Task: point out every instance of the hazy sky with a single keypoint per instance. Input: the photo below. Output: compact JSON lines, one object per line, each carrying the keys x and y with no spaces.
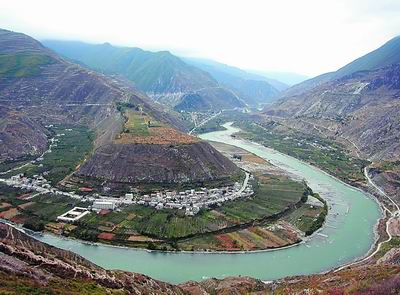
{"x":309,"y":37}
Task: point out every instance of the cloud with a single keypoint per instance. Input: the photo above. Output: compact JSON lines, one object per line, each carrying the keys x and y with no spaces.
{"x":309,"y":36}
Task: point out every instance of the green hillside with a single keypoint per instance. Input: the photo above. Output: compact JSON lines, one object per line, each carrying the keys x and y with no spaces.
{"x":385,"y":55}
{"x":22,"y":64}
{"x":157,"y":72}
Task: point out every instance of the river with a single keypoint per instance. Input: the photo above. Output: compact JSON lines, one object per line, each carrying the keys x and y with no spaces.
{"x":347,"y":234}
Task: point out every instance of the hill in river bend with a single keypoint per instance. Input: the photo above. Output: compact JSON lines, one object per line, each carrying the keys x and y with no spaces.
{"x":37,"y":88}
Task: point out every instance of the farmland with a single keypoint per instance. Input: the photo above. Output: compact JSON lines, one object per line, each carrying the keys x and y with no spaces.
{"x":262,"y":221}
{"x":324,"y":153}
{"x":73,"y":143}
{"x":170,"y":229}
{"x":139,"y":128}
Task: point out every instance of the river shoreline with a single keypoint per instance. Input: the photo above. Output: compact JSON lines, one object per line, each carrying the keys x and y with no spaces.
{"x":353,"y":185}
{"x":265,"y":264}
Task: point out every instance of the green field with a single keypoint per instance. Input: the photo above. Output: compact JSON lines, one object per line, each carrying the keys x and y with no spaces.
{"x":22,"y":64}
{"x":324,"y":153}
{"x":42,"y":208}
{"x":71,"y":150}
{"x":272,"y":196}
{"x":136,"y":124}
{"x":308,"y":218}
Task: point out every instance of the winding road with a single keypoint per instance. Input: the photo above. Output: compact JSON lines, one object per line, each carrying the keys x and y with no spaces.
{"x":393,"y":215}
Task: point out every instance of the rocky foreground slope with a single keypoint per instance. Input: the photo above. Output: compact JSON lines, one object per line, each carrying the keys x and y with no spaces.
{"x":28,"y":266}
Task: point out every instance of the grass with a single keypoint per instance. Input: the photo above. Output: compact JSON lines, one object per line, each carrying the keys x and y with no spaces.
{"x":136,"y":124}
{"x":393,"y":243}
{"x":71,"y":149}
{"x":22,"y":64}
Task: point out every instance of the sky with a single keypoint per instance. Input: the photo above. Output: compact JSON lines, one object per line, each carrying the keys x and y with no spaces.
{"x":308,"y":37}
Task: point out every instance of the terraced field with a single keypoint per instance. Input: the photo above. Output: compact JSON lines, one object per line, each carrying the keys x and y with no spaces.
{"x":140,"y":128}
{"x":146,"y":227}
{"x":73,"y":144}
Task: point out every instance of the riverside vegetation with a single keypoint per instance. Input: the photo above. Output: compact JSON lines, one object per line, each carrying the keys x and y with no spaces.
{"x":239,"y":225}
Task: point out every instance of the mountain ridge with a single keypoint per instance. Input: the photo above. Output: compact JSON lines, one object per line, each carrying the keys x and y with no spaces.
{"x":357,"y":103}
{"x":69,"y":93}
{"x":162,"y":75}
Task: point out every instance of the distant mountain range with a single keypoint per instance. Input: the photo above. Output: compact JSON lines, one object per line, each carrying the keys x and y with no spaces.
{"x":181,"y":84}
{"x":288,"y":78}
{"x":359,"y":102}
{"x":254,"y":89}
{"x":38,"y":88}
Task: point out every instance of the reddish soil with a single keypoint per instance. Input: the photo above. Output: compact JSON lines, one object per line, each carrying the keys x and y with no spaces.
{"x":226,"y":242}
{"x":159,"y":135}
{"x":106,"y":236}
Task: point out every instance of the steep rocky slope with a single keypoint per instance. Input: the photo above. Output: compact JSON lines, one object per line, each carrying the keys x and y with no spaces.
{"x":209,"y":99}
{"x":163,"y":76}
{"x":60,"y":91}
{"x":383,"y":56}
{"x":19,"y":135}
{"x":358,"y":103}
{"x":158,"y":163}
{"x":363,"y":107}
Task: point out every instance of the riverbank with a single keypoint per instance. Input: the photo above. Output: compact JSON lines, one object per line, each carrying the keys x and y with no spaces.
{"x":352,"y":217}
{"x":250,"y":219}
{"x":375,"y":193}
{"x":28,"y":260}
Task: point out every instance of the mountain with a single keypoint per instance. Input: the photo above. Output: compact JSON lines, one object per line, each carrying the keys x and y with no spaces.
{"x":38,"y":88}
{"x":162,"y":75}
{"x":288,"y":78}
{"x":307,"y":85}
{"x":254,"y":89}
{"x":386,"y":55}
{"x":359,"y":103}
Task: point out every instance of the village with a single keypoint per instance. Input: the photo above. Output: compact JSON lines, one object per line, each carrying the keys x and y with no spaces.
{"x":190,"y":200}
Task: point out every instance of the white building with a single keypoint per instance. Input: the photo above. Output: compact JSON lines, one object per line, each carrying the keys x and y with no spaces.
{"x":73,"y":215}
{"x":129,"y":197}
{"x":100,"y":204}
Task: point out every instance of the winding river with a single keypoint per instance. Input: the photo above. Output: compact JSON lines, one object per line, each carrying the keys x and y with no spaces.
{"x":347,"y":234}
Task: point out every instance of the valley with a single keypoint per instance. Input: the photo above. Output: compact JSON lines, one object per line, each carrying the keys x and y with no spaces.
{"x":204,"y":176}
{"x":37,"y":205}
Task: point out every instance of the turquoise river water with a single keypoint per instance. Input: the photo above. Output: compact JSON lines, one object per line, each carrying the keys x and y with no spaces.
{"x":347,"y":234}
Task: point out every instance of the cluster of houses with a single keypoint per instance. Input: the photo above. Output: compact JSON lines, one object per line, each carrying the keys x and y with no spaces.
{"x":37,"y":183}
{"x":194,"y":200}
{"x":190,"y":200}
